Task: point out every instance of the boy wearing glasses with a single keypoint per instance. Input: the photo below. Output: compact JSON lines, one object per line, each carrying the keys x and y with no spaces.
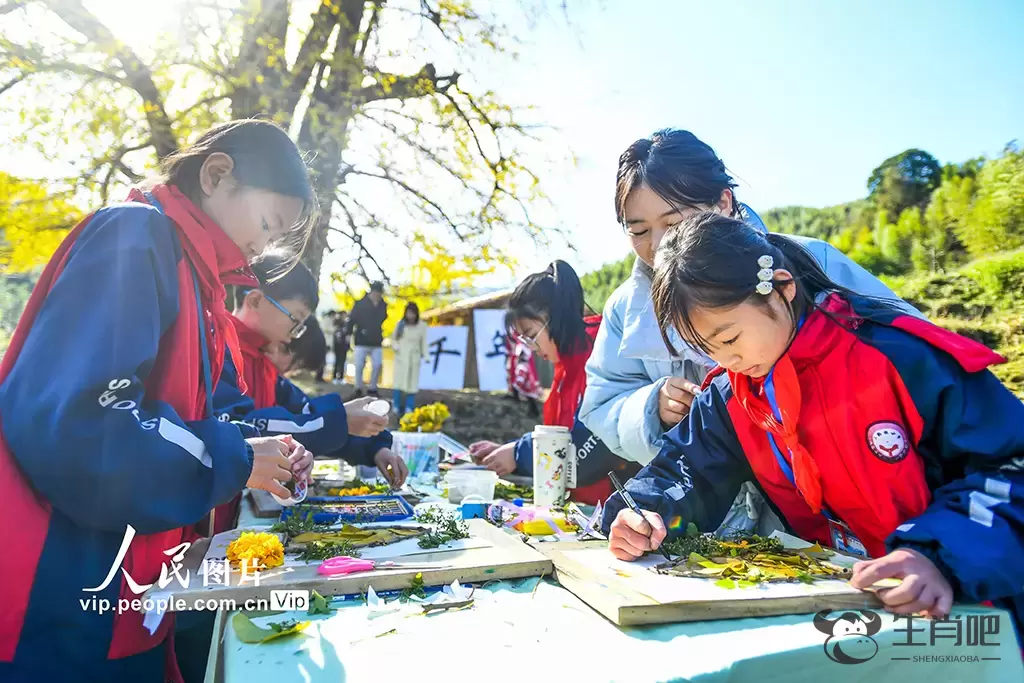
{"x":263,"y":403}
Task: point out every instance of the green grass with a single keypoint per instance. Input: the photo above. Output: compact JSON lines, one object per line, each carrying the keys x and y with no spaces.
{"x":984,"y":300}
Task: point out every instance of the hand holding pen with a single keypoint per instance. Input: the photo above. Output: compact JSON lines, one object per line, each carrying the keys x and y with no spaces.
{"x":634,"y":531}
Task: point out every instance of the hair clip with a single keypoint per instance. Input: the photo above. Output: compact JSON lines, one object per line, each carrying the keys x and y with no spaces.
{"x":765,"y":275}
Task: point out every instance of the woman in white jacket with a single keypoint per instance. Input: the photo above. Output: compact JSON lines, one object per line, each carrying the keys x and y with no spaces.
{"x":636,"y":390}
{"x":410,"y":346}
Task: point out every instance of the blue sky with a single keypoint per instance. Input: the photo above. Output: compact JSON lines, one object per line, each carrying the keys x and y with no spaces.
{"x":801,"y":99}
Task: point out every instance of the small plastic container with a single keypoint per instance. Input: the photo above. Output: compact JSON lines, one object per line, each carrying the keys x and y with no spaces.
{"x":464,"y":482}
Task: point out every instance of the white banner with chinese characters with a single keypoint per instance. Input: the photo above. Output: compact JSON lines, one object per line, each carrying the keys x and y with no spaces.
{"x":491,"y":354}
{"x":445,"y":364}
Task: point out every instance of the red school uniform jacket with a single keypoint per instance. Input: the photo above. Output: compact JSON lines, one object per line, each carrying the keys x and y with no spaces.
{"x":890,"y":424}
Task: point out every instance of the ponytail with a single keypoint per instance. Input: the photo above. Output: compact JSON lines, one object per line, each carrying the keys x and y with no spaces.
{"x":554,"y":296}
{"x":711,"y":261}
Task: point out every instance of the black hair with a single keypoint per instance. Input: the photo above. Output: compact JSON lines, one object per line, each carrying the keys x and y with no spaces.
{"x":553,"y":296}
{"x":711,"y":261}
{"x":411,"y":307}
{"x":281,"y":279}
{"x":675,"y":165}
{"x":309,"y":352}
{"x":264,"y":157}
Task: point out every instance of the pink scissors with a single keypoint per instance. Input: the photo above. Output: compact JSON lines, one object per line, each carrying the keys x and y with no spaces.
{"x":353,"y":565}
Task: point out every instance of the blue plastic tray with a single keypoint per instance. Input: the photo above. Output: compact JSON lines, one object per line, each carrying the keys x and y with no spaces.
{"x":401,"y":509}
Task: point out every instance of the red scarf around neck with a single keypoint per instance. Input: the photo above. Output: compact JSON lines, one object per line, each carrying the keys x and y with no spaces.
{"x":260,"y":375}
{"x":217,"y":261}
{"x":570,"y":381}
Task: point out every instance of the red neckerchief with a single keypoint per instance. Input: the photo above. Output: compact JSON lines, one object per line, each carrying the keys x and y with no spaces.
{"x":215,"y":259}
{"x":260,"y":374}
{"x":570,"y":381}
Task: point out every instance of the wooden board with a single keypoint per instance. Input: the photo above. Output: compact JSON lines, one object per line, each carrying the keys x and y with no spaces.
{"x":263,"y":504}
{"x":630,"y":594}
{"x":507,"y":557}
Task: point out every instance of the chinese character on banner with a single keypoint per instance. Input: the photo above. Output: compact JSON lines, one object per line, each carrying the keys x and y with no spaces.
{"x":250,"y":571}
{"x":216,"y":572}
{"x":138,"y":589}
{"x":947,"y":627}
{"x":177,"y":554}
{"x":440,"y":350}
{"x":981,"y":625}
{"x":499,"y":346}
{"x":910,"y":630}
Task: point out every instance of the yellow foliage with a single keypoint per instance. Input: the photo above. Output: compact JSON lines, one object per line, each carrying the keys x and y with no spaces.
{"x":32,"y":223}
{"x":432,"y":280}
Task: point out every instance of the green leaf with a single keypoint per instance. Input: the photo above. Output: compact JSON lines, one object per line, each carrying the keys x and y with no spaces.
{"x":745,"y":584}
{"x":249,"y":632}
{"x":319,"y":605}
{"x":692,"y":531}
{"x":726,"y":583}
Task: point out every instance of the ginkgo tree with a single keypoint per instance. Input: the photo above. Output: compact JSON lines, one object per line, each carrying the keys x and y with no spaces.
{"x":33,"y":221}
{"x":379,"y":93}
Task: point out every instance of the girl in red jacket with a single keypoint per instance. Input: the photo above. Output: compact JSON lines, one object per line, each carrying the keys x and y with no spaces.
{"x":868,"y":430}
{"x":546,"y":312}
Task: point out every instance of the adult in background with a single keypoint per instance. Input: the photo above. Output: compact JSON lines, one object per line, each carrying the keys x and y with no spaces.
{"x":636,"y":389}
{"x":340,"y":342}
{"x":410,"y":345}
{"x":547,"y":313}
{"x":366,"y":324}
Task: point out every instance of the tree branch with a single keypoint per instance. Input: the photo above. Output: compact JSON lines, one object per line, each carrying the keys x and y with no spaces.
{"x":384,"y":175}
{"x":389,"y":86}
{"x":138,"y":75}
{"x":310,"y":52}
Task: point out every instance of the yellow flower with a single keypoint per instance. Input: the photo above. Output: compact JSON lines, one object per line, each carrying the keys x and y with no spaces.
{"x":262,"y":550}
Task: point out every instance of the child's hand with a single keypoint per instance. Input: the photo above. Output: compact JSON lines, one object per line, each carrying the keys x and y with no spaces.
{"x":398,"y":473}
{"x":674,"y":399}
{"x":501,"y":460}
{"x":363,"y":423}
{"x":270,"y":465}
{"x":301,"y":460}
{"x":481,"y":449}
{"x":924,"y":588}
{"x":631,"y":535}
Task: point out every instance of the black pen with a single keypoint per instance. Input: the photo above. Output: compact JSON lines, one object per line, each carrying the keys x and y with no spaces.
{"x":631,"y":504}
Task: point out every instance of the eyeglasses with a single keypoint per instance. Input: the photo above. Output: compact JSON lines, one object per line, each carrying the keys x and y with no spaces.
{"x":298,"y":326}
{"x":530,"y":341}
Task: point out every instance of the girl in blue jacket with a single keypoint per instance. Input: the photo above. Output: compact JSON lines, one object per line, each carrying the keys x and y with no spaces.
{"x":636,"y":389}
{"x":110,"y":452}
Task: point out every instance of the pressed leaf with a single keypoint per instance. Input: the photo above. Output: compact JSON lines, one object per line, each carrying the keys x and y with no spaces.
{"x":249,"y":632}
{"x":726,"y":583}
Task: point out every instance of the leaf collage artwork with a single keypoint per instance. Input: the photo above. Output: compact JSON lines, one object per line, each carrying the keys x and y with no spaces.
{"x":746,"y":560}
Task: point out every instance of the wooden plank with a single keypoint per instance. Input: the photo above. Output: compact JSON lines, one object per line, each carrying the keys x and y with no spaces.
{"x":506,"y":558}
{"x":263,"y":504}
{"x":628,"y":601}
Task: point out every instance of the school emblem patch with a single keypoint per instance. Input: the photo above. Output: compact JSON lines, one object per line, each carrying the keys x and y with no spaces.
{"x":888,"y":441}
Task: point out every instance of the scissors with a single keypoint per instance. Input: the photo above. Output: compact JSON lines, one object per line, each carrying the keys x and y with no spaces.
{"x":352,"y":565}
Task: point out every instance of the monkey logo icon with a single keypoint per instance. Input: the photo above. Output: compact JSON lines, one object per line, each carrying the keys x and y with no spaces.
{"x":850,"y":634}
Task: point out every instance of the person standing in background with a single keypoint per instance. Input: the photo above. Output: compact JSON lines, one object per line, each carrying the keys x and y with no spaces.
{"x":326,"y":325}
{"x":410,"y":345}
{"x":366,"y":324}
{"x":340,"y":342}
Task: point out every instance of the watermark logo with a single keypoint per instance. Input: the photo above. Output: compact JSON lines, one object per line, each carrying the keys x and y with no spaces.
{"x":289,"y":600}
{"x":850,"y":635}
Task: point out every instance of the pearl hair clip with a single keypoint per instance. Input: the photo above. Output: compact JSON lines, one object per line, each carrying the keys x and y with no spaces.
{"x":765,"y":275}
